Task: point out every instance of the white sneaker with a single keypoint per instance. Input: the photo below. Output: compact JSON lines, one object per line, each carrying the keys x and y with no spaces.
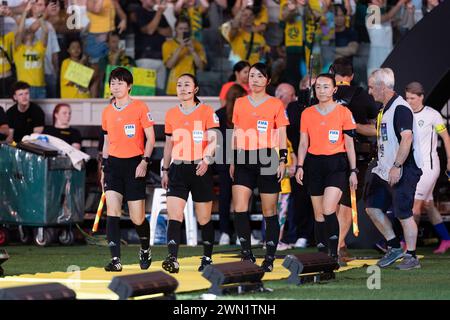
{"x":283,"y":246}
{"x":301,"y":243}
{"x":224,"y":239}
{"x":254,"y":241}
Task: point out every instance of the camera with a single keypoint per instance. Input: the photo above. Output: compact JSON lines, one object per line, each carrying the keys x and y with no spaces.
{"x":186,"y":35}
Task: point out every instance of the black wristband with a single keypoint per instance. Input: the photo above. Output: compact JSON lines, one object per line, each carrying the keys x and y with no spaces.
{"x":164,"y":169}
{"x":355,"y":170}
{"x":283,"y":153}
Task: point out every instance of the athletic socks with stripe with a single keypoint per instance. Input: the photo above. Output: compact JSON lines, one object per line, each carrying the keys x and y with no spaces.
{"x":272,"y":234}
{"x":208,"y":238}
{"x":143,"y":232}
{"x":173,"y":237}
{"x":243,"y":231}
{"x":332,"y":228}
{"x":113,"y":235}
{"x":320,"y":236}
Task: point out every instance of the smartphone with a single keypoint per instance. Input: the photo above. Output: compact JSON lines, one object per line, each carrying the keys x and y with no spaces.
{"x":186,"y":35}
{"x":122,"y":44}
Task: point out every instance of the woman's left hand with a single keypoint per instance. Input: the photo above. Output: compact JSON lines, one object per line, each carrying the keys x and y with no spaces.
{"x":280,"y":171}
{"x":353,"y":181}
{"x":141,"y":169}
{"x":122,"y":26}
{"x":201,"y":169}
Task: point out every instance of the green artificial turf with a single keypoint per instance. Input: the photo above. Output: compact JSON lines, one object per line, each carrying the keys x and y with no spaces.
{"x":430,"y":282}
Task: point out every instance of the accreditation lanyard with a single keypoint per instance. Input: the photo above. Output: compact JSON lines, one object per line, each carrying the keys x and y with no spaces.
{"x":379,"y":118}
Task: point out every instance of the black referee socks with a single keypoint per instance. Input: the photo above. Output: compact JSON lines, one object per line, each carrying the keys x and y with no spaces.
{"x":208,"y":238}
{"x":113,"y":235}
{"x":243,"y":231}
{"x":143,"y":232}
{"x":173,"y":237}
{"x":332,"y":227}
{"x":272,"y":234}
{"x":320,"y":235}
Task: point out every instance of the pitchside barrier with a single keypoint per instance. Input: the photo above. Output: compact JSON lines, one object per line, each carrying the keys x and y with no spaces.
{"x":88,"y":112}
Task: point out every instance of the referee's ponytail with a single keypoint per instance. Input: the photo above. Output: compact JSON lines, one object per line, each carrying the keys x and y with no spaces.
{"x":194,"y":79}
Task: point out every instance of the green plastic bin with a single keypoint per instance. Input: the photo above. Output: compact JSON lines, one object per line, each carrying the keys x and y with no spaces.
{"x":39,"y":191}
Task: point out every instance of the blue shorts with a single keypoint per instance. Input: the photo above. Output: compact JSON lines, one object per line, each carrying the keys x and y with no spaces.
{"x":380,"y":195}
{"x":94,"y":47}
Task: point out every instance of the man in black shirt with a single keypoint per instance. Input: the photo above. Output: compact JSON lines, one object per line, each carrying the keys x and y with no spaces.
{"x":4,"y":128}
{"x":364,"y":110}
{"x":301,"y":223}
{"x":24,"y":117}
{"x":152,"y":31}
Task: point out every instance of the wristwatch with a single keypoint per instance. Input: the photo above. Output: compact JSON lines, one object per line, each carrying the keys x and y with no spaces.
{"x":146,"y":159}
{"x":355,"y":170}
{"x":397,"y":165}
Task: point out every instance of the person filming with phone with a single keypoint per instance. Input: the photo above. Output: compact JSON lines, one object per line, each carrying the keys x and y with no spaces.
{"x":182,"y":54}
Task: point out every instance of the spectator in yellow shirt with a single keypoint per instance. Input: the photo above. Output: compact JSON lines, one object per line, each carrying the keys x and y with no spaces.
{"x":246,"y":44}
{"x":6,"y":46}
{"x":29,"y":55}
{"x":70,"y":90}
{"x":182,"y":54}
{"x":102,"y":16}
{"x":195,"y":11}
{"x":260,"y":12}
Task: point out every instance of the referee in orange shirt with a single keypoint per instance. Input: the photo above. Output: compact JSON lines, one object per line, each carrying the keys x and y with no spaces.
{"x":326,"y":149}
{"x":190,"y":144}
{"x":259,"y":127}
{"x":125,"y":123}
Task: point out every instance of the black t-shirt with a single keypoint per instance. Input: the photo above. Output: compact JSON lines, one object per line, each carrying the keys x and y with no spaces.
{"x":361,"y":104}
{"x":294,"y":111}
{"x":403,"y":120}
{"x":343,"y":38}
{"x":23,"y":123}
{"x":149,"y":46}
{"x":69,"y":135}
{"x":3,"y":120}
{"x":222,"y":115}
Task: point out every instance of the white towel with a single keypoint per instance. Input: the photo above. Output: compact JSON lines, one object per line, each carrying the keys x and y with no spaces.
{"x":75,"y":155}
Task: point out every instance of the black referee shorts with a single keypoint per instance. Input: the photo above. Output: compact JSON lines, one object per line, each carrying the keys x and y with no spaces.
{"x":257,"y":169}
{"x":182,"y":180}
{"x":121,"y":178}
{"x":324,"y":171}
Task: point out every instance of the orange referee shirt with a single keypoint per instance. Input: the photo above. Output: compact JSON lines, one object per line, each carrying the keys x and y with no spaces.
{"x":325,"y":132}
{"x":188,"y":131}
{"x":125,"y":128}
{"x":255,"y":123}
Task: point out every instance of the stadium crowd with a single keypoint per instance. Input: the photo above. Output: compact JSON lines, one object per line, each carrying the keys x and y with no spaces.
{"x":39,"y":39}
